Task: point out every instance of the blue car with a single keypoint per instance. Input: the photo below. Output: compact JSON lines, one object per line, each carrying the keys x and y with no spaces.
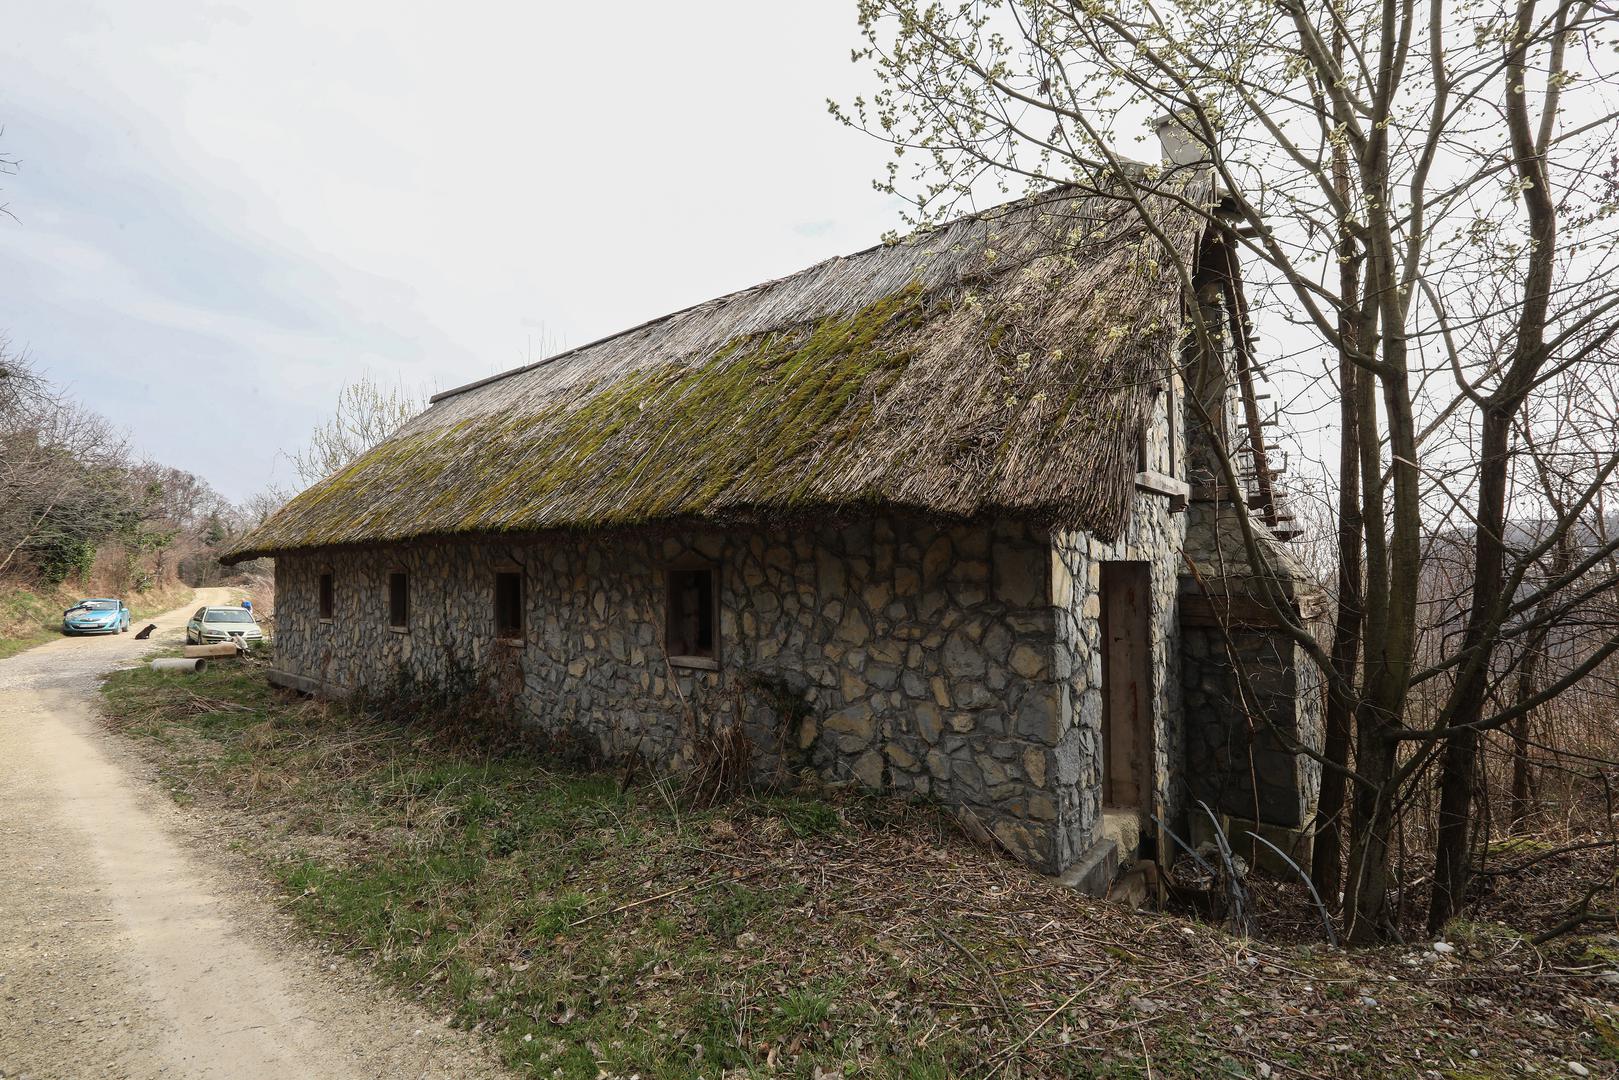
{"x":103,"y":616}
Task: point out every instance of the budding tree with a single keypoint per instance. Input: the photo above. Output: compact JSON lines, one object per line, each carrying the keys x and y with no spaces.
{"x":1419,"y":195}
{"x":366,"y":414}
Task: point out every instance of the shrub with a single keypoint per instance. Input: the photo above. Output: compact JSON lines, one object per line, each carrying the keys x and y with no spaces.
{"x":62,"y":557}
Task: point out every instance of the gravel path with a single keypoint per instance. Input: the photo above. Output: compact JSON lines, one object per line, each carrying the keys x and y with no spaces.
{"x":126,"y":950}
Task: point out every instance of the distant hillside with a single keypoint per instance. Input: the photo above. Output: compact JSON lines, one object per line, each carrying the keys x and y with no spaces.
{"x":81,"y":516}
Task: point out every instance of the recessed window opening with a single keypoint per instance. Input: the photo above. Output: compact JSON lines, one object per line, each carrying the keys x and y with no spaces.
{"x":690,"y":629}
{"x":399,"y":600}
{"x":509,"y":606}
{"x":327,"y":595}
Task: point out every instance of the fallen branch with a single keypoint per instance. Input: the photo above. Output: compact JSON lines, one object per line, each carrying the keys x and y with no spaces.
{"x":1050,"y":1016}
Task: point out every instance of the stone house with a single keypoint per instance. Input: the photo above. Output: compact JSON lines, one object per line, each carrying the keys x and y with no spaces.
{"x":938,"y":518}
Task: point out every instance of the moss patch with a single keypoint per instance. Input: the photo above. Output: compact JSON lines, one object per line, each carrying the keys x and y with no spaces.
{"x":755,"y":423}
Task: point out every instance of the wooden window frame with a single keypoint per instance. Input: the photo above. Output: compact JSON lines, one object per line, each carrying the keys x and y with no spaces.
{"x":685,"y":659}
{"x":1173,"y":407}
{"x":399,"y":625}
{"x":1151,"y":480}
{"x":326,"y":595}
{"x":503,"y":633}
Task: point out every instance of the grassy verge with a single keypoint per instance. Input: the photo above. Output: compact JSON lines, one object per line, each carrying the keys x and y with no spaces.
{"x":30,"y":616}
{"x":596,"y":932}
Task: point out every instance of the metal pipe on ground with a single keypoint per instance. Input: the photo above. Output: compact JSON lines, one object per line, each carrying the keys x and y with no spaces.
{"x":192,"y":665}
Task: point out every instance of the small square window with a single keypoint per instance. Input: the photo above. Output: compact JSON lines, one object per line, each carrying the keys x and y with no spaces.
{"x":509,"y":606}
{"x":689,"y":632}
{"x":399,"y":600}
{"x":327,"y":596}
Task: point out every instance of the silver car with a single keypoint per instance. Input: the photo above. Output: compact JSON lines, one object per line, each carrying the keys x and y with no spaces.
{"x":213,"y":625}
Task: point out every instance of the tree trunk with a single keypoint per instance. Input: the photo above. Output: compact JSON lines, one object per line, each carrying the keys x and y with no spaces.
{"x":1529,"y":669}
{"x":1326,"y":865}
{"x":1522,"y":795}
{"x":1367,"y":919}
{"x":1392,"y":551}
{"x":1528,"y":355}
{"x":1460,"y":763}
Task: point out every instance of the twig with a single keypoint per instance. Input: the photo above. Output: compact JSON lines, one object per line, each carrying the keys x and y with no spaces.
{"x":1012,"y":1050}
{"x":1239,"y":896}
{"x":1326,"y":919}
{"x":663,"y":895}
{"x":634,"y":904}
{"x":979,"y":964}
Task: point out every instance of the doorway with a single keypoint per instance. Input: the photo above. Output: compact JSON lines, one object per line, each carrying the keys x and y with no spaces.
{"x":1128,"y":750}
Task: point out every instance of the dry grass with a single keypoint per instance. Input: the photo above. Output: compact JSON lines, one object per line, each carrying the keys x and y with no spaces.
{"x":601,"y":932}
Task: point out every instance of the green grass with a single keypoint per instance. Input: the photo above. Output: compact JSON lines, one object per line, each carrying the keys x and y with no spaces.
{"x":30,"y":617}
{"x":595,"y":931}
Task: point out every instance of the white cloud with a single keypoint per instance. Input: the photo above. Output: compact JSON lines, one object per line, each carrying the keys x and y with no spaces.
{"x":290,"y":193}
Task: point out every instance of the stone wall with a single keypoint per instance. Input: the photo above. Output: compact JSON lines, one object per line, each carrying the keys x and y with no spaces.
{"x":925,"y":654}
{"x":1244,"y":734}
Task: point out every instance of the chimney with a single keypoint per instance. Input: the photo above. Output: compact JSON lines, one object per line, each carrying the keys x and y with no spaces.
{"x":1176,"y":137}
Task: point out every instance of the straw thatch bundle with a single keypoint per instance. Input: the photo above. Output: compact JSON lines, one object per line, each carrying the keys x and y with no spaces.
{"x":1001,"y":364}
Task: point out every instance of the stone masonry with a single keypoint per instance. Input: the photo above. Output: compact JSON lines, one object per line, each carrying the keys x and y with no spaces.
{"x":923,"y":654}
{"x":946,"y":661}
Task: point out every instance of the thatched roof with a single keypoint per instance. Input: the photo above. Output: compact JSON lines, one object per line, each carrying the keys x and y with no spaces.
{"x":1001,"y":364}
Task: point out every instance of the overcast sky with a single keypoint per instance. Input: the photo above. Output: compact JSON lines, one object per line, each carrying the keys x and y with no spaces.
{"x":224,"y":211}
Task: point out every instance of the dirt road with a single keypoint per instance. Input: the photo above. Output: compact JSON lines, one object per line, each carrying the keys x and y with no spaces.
{"x":127,"y":952}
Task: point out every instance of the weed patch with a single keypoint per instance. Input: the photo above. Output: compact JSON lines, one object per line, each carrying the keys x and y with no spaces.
{"x":595,"y":930}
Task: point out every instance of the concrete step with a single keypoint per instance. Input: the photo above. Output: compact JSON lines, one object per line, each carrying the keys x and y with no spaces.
{"x":1123,"y":827}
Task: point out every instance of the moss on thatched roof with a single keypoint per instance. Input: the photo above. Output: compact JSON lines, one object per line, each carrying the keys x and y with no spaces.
{"x":1001,"y":364}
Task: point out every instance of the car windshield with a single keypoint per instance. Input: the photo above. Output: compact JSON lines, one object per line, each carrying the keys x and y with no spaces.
{"x":99,"y":605}
{"x":227,"y":615}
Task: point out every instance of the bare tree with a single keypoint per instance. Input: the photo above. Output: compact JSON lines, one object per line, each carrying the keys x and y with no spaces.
{"x":1416,"y":188}
{"x":366,"y":414}
{"x":62,"y":479}
{"x":8,"y":167}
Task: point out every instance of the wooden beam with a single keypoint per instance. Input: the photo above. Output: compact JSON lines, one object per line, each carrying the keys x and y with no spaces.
{"x":1178,"y":491}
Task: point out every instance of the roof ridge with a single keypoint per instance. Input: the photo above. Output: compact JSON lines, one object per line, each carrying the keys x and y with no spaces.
{"x":1024,"y":399}
{"x":1054,"y":192}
